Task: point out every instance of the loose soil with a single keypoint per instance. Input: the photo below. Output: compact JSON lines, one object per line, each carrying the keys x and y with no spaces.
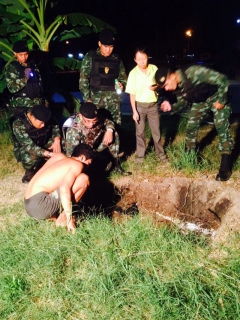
{"x":209,"y":204}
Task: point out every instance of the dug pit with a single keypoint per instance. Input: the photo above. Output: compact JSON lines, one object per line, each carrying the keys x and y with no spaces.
{"x":199,"y":205}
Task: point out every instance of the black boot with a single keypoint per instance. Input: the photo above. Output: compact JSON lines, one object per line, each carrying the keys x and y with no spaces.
{"x":225,"y":168}
{"x":28,"y":176}
{"x":118,"y":168}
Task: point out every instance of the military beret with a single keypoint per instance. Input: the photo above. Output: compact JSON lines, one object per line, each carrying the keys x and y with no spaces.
{"x":88,"y":110}
{"x":41,"y":112}
{"x":20,"y":46}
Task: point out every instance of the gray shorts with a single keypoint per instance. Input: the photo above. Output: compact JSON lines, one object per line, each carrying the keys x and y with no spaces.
{"x":43,"y":205}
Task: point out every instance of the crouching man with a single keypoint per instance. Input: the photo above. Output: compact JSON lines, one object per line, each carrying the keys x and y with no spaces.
{"x":91,"y":128}
{"x":35,"y":139}
{"x":57,"y":185}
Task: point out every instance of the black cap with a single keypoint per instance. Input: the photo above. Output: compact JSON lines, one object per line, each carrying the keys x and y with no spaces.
{"x":88,"y":110}
{"x":41,"y":112}
{"x":106,"y":37}
{"x":20,"y":46}
{"x":161,"y":75}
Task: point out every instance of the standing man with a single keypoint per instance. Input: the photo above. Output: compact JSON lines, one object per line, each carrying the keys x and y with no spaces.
{"x":23,"y":80}
{"x":35,"y":139}
{"x":57,"y":185}
{"x":98,"y":73}
{"x":90,"y":128}
{"x":204,"y":90}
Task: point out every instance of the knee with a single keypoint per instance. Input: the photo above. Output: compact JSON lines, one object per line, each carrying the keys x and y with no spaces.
{"x":85,"y":180}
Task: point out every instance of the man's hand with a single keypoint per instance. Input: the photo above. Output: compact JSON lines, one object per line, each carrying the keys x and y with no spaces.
{"x":218,"y":105}
{"x":108,"y":137}
{"x":71,"y":225}
{"x":56,"y":146}
{"x":166,"y":106}
{"x":27,"y":72}
{"x":135,"y":116}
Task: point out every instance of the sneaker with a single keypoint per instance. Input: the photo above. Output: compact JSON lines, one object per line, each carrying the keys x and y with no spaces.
{"x":28,"y":176}
{"x":139,"y":160}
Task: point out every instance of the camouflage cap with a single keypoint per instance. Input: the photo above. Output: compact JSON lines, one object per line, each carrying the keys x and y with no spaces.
{"x":106,"y":37}
{"x":88,"y":110}
{"x":161,"y":75}
{"x":41,"y":112}
{"x":20,"y":46}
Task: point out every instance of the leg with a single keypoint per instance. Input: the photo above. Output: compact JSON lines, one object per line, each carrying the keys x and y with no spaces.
{"x":195,"y":117}
{"x":78,"y":189}
{"x":140,"y":131}
{"x":154,"y":123}
{"x":221,"y":121}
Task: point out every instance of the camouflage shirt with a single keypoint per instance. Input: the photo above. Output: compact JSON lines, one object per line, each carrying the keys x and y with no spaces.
{"x":77,"y":133}
{"x":26,"y":143}
{"x":15,"y":82}
{"x":84,"y":87}
{"x":198,"y":75}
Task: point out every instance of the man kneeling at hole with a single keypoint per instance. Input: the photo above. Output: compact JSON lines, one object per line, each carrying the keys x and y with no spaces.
{"x":58,"y":184}
{"x":98,"y":132}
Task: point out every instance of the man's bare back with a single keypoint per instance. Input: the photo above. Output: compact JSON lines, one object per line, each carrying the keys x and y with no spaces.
{"x":64,"y":175}
{"x":56,"y":172}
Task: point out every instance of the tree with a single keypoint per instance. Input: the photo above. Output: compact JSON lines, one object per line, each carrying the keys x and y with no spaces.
{"x":31,"y":20}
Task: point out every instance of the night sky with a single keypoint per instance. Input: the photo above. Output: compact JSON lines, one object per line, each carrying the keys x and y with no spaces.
{"x":160,"y":26}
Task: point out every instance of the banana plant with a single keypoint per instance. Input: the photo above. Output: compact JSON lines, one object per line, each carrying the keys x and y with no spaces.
{"x":26,"y":19}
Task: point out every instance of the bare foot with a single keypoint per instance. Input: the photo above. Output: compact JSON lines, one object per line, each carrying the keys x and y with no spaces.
{"x":61,"y":220}
{"x":52,"y":218}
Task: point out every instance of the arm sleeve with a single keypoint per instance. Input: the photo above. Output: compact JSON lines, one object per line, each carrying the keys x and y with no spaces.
{"x":71,"y":141}
{"x":85,"y":77}
{"x":122,"y":74}
{"x":13,"y":81}
{"x":20,"y":132}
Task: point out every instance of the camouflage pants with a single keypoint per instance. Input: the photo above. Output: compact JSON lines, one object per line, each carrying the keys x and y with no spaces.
{"x":113,"y":147}
{"x":109,"y":107}
{"x":221,"y":120}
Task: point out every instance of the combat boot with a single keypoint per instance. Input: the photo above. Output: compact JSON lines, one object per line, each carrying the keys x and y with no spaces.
{"x":118,"y":168}
{"x":225,"y":168}
{"x":28,"y":176}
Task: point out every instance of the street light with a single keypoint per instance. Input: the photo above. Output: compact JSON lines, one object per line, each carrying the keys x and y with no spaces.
{"x":188,"y":34}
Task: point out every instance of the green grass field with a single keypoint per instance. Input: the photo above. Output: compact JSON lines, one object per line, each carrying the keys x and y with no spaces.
{"x":112,"y":271}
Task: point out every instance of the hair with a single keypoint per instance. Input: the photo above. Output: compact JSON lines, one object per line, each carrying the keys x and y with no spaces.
{"x":140,"y":50}
{"x":83,"y":149}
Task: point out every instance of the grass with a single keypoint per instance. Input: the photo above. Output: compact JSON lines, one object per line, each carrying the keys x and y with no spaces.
{"x":131,"y":270}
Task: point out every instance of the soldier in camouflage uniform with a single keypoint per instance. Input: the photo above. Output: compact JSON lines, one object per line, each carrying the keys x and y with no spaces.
{"x":35,"y":139}
{"x":204,"y":90}
{"x":23,"y":80}
{"x":98,"y":72}
{"x":94,"y":130}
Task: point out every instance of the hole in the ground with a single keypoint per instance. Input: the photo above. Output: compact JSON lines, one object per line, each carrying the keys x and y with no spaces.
{"x":199,"y":205}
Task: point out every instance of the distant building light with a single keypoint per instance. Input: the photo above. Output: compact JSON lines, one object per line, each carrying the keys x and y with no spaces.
{"x":67,"y":42}
{"x":70,"y":55}
{"x":238,"y":20}
{"x":80,"y":55}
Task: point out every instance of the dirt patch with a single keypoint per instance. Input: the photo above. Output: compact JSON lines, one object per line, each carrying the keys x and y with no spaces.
{"x":208,"y":204}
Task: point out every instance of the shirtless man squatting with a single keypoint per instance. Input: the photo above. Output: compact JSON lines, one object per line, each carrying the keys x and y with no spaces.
{"x":58,"y":184}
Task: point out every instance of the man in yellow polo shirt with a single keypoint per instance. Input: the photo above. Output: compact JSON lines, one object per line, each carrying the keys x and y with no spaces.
{"x":144,"y":104}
